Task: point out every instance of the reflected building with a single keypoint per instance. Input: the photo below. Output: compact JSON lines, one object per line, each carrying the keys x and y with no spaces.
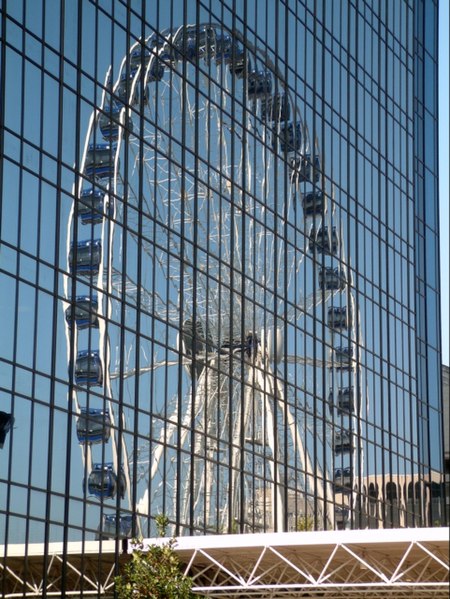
{"x":220,"y":290}
{"x":446,"y":401}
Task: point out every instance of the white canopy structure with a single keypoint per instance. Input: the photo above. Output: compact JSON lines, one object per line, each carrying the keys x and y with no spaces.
{"x":410,"y":562}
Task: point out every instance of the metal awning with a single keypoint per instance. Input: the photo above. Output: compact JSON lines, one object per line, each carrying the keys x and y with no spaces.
{"x":409,"y":562}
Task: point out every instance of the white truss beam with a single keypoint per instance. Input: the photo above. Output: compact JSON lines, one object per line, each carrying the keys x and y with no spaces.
{"x":358,"y":563}
{"x":351,"y":564}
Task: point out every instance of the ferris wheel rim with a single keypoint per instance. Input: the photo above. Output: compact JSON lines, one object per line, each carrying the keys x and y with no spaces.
{"x":127,"y":113}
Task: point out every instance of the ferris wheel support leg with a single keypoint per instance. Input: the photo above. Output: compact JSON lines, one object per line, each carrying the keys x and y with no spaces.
{"x":295,"y":433}
{"x":211,"y":480}
{"x":166,"y":435}
{"x":243,"y":423}
{"x":196,"y":477}
{"x":278,"y":507}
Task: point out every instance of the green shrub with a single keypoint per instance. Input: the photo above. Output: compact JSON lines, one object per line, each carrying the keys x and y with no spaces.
{"x":154,"y":573}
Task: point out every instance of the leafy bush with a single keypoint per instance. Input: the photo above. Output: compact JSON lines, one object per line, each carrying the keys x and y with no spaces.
{"x":154,"y":573}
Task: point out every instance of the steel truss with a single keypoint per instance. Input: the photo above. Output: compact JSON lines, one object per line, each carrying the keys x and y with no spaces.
{"x":356,"y":563}
{"x":410,"y":562}
{"x":78,"y":569}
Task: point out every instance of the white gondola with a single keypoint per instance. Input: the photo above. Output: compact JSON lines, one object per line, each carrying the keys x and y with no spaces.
{"x":259,"y":84}
{"x":85,"y":257}
{"x":344,"y":442}
{"x":324,"y":241}
{"x":276,"y":108}
{"x":343,"y":480}
{"x":304,"y":168}
{"x":332,"y":279}
{"x":345,"y":401}
{"x":84,"y":312}
{"x":339,"y":318}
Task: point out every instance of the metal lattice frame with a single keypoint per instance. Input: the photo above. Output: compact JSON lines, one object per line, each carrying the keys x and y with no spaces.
{"x":346,"y":564}
{"x":31,"y":571}
{"x":367,"y":563}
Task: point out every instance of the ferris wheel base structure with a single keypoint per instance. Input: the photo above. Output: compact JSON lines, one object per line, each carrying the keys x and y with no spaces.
{"x":345,"y":564}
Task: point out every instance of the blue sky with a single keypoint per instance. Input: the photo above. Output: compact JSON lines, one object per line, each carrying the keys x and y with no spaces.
{"x":444,"y":161}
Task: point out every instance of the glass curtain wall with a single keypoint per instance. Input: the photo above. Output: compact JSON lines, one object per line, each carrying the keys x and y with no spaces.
{"x":219,"y":267}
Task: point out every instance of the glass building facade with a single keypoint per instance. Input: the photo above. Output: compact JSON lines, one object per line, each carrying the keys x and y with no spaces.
{"x":219,"y":290}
